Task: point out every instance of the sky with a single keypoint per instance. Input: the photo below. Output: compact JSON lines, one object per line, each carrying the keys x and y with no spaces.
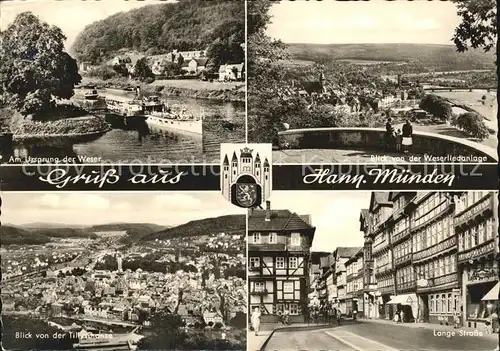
{"x":167,"y":208}
{"x":376,"y":21}
{"x":70,"y":15}
{"x":335,"y":214}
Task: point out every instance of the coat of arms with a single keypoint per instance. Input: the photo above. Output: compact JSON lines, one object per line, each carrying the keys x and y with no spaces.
{"x":246,"y":175}
{"x":246,"y":194}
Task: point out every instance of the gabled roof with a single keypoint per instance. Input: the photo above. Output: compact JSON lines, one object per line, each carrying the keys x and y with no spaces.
{"x":379,"y":198}
{"x":363,"y":218}
{"x":316,"y":256}
{"x":347,"y":252}
{"x":324,"y":262}
{"x":363,"y":214}
{"x":306,"y":218}
{"x":355,"y":256}
{"x":238,"y":66}
{"x":281,"y":220}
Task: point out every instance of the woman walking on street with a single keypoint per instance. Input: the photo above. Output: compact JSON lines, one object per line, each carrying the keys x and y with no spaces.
{"x":256,"y":320}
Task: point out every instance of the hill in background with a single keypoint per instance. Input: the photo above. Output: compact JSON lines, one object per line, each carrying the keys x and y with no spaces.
{"x":154,"y":29}
{"x":432,"y":57}
{"x":222,"y":224}
{"x":31,"y":234}
{"x":136,"y":232}
{"x":11,"y":235}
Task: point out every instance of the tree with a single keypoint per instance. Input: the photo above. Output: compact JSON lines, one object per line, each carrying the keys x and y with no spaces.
{"x":265,"y":75}
{"x":34,"y":66}
{"x":121,"y":69}
{"x":437,"y":106}
{"x":478,"y":28}
{"x":165,"y":332}
{"x":473,"y":125}
{"x":142,"y":69}
{"x":239,"y":321}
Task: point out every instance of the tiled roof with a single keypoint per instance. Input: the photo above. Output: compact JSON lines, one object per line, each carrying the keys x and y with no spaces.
{"x":364,"y":213}
{"x":347,"y":252}
{"x":280,"y":220}
{"x":381,"y":197}
{"x":316,"y":256}
{"x":324,"y":262}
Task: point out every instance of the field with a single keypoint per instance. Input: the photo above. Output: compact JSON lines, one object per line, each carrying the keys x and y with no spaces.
{"x":432,"y":57}
{"x":295,"y":62}
{"x":198,"y":84}
{"x":362,"y":62}
{"x":474,"y":100}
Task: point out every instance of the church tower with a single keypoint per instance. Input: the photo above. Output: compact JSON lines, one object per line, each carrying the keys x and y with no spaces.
{"x":257,"y":171}
{"x":234,"y":168}
{"x":119,"y":260}
{"x":225,"y":177}
{"x":322,"y":81}
{"x":266,"y":181}
{"x":246,"y":161}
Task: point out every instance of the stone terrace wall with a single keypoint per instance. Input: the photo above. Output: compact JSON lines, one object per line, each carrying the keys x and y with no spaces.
{"x":373,"y":139}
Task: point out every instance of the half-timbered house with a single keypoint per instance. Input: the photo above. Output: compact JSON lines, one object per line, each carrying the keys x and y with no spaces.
{"x":279,"y":243}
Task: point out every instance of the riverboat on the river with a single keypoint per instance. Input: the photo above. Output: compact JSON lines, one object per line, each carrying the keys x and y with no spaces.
{"x":102,"y":342}
{"x":124,"y":108}
{"x":91,"y":93}
{"x":175,"y":118}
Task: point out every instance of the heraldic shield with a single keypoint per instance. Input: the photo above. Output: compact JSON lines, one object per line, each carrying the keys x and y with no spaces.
{"x":246,"y":192}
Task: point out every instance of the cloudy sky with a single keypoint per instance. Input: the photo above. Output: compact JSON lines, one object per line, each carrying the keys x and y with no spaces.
{"x":335,"y":214}
{"x":69,"y":15}
{"x":167,"y":208}
{"x":377,"y":21}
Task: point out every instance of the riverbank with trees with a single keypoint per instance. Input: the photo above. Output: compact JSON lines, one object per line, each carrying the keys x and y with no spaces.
{"x":36,"y":74}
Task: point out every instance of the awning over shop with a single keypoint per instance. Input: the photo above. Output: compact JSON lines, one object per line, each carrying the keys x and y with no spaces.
{"x":407,"y":299}
{"x":492,"y":295}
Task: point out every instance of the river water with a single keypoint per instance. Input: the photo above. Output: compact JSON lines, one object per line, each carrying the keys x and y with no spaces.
{"x":136,"y":141}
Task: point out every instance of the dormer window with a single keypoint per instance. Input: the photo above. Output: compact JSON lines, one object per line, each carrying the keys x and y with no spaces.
{"x":256,"y":238}
{"x":295,"y":239}
{"x":272,"y":238}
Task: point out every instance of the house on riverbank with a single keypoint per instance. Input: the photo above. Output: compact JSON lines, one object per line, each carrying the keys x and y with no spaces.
{"x":231,"y":72}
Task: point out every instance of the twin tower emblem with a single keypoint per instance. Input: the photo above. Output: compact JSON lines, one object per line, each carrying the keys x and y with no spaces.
{"x":246,"y":173}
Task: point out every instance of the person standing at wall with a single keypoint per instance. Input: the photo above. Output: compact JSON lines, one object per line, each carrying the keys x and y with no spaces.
{"x":407,"y":141}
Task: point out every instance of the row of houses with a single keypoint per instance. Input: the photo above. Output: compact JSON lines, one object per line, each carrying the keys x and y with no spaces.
{"x":432,"y":255}
{"x":191,"y":63}
{"x":350,"y":98}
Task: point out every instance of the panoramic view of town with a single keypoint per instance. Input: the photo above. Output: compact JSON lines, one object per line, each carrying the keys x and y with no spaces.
{"x":360,"y":270}
{"x":249,"y":175}
{"x":77,"y":274}
{"x":156,"y":81}
{"x":379,"y":81}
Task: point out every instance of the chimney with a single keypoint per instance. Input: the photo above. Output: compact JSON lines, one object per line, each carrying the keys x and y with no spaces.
{"x":268,"y":211}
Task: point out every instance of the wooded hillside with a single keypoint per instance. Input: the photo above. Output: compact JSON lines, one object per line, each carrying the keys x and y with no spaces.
{"x":155,"y":29}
